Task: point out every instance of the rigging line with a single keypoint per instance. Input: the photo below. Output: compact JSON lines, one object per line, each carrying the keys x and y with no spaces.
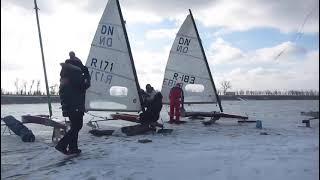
{"x":300,"y":31}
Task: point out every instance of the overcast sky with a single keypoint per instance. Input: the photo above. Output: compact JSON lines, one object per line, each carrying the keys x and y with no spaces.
{"x":242,"y":39}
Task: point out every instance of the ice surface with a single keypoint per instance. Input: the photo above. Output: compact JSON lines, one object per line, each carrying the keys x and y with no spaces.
{"x":225,"y":150}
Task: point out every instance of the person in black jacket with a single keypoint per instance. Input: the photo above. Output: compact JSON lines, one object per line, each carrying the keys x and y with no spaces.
{"x":74,"y":81}
{"x":152,"y":113}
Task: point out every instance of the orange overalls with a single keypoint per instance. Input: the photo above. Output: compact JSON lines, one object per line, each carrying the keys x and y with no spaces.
{"x":175,"y":96}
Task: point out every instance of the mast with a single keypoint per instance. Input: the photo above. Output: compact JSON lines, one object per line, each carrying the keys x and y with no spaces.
{"x":205,"y":59}
{"x":130,"y":55}
{"x":42,"y":55}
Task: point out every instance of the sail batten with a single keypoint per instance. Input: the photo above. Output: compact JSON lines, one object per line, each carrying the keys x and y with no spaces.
{"x":109,"y":48}
{"x":186,"y":36}
{"x":119,"y":75}
{"x":114,"y":83}
{"x":173,"y":52}
{"x":111,"y":24}
{"x":188,"y":74}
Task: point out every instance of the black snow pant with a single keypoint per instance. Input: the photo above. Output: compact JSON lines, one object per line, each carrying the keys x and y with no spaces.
{"x":71,"y":137}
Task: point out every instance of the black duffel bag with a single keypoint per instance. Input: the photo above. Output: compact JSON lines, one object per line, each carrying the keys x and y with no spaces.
{"x":19,"y":129}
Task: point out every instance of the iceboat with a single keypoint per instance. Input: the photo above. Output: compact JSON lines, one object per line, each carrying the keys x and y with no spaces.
{"x":59,"y":126}
{"x":114,"y":82}
{"x":187,"y":64}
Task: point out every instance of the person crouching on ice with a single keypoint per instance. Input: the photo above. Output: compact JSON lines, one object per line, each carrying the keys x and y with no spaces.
{"x":152,"y":113}
{"x":150,"y":93}
{"x":176,"y":101}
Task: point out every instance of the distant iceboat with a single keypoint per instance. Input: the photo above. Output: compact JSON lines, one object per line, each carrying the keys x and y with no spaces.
{"x":187,"y":64}
{"x":314,"y":114}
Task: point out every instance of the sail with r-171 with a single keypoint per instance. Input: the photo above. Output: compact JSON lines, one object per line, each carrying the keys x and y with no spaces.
{"x":114,"y":84}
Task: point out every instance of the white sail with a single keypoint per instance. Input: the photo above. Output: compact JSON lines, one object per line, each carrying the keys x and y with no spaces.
{"x":187,"y":65}
{"x":113,"y":78}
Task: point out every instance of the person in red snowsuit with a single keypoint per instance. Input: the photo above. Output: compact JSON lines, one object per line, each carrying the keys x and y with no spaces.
{"x":176,"y":100}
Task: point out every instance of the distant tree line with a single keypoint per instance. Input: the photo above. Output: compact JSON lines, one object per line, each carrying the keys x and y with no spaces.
{"x":22,"y":88}
{"x":276,"y":92}
{"x":225,"y":85}
{"x":28,"y":89}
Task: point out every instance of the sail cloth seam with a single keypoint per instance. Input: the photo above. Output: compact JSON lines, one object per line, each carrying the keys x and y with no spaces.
{"x":109,"y":48}
{"x":173,"y":52}
{"x":112,"y":74}
{"x":110,"y":24}
{"x":187,"y":36}
{"x":186,"y":73}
